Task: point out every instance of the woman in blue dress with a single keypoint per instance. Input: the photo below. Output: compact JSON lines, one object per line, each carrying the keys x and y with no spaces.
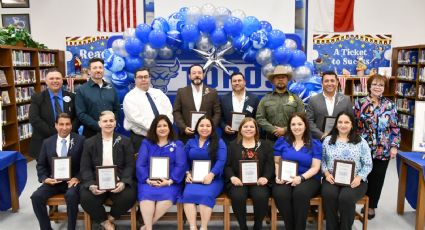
{"x":206,"y":145}
{"x":293,"y":196}
{"x":157,"y":196}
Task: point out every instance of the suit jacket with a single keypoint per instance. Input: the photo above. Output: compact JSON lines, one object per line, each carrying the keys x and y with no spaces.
{"x":122,"y":155}
{"x":184,"y":104}
{"x":265,"y":161}
{"x":42,"y":118}
{"x":316,"y":111}
{"x":48,"y":150}
{"x":249,"y":109}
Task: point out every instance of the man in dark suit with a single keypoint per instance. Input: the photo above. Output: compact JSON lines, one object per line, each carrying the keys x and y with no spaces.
{"x":195,"y":97}
{"x":238,"y":100}
{"x":329,"y":103}
{"x":63,"y":144}
{"x":43,"y":110}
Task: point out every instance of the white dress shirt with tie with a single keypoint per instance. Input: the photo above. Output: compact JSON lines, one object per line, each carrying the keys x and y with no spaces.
{"x":59,"y":145}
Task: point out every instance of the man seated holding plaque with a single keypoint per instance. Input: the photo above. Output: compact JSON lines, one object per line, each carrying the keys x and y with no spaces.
{"x":254,"y":182}
{"x":236,"y":105}
{"x":203,"y":186}
{"x":297,"y":161}
{"x":159,"y":181}
{"x":58,"y":168}
{"x":346,"y":163}
{"x":323,"y":107}
{"x":107,"y":169}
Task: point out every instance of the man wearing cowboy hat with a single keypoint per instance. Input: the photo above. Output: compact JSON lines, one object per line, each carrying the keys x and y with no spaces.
{"x":276,"y":107}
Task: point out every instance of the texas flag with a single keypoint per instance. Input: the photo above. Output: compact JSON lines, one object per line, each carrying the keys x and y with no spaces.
{"x":334,"y":15}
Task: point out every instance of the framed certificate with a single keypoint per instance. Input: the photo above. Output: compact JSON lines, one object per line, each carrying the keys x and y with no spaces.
{"x":248,"y":171}
{"x":194,"y":117}
{"x":200,"y":168}
{"x":343,"y":172}
{"x":287,"y":169}
{"x":61,"y":168}
{"x":159,"y":168}
{"x":236,"y":120}
{"x":106,"y":177}
{"x":328,"y":124}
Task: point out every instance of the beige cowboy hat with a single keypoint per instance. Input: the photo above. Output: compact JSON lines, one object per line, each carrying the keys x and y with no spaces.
{"x":281,"y":70}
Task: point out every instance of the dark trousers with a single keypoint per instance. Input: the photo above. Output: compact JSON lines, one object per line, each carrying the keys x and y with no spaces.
{"x":93,"y":204}
{"x":293,"y":202}
{"x":341,"y":199}
{"x":260,"y":198}
{"x":44,"y":192}
{"x":136,"y":140}
{"x":375,"y":181}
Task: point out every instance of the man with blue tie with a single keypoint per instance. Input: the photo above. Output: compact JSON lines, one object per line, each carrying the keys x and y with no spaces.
{"x":44,"y":108}
{"x":63,"y":144}
{"x":238,"y":100}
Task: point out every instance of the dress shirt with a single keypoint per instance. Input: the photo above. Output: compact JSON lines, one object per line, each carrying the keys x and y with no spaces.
{"x":197,"y":97}
{"x":59,"y":144}
{"x":138,"y":111}
{"x":107,"y":158}
{"x":330,"y":103}
{"x":238,"y":105}
{"x":52,"y":100}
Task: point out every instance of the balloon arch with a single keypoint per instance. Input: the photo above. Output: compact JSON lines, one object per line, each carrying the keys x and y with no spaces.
{"x":208,"y":29}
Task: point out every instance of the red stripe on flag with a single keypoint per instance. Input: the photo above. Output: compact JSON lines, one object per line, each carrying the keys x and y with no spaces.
{"x":127,"y":10}
{"x":103,"y":15}
{"x":122,"y":16}
{"x":110,"y":15}
{"x":134,"y":14}
{"x":343,"y":17}
{"x":98,"y":15}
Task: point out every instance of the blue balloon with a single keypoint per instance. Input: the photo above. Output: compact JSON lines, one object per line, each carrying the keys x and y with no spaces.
{"x":276,"y":39}
{"x":157,"y":38}
{"x":250,"y":25}
{"x":184,"y":10}
{"x":107,"y":74}
{"x":218,"y":37}
{"x":176,"y":21}
{"x":233,"y":26}
{"x":132,"y":64}
{"x":142,"y":32}
{"x":310,"y":66}
{"x":174,"y":39}
{"x":190,"y":33}
{"x":242,"y":43}
{"x":206,"y":23}
{"x":114,"y":63}
{"x":120,"y":79}
{"x":265,"y":25}
{"x":282,"y":55}
{"x":160,"y":24}
{"x":298,"y":58}
{"x":250,"y":55}
{"x":259,"y":39}
{"x":130,"y":76}
{"x":133,"y":46}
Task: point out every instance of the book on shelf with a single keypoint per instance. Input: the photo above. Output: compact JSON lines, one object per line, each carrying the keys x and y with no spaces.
{"x":20,"y":58}
{"x":5,"y":97}
{"x":4,"y":116}
{"x":3,"y":80}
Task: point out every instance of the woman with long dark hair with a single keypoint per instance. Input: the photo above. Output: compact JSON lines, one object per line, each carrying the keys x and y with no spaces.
{"x":206,"y":145}
{"x":344,"y":144}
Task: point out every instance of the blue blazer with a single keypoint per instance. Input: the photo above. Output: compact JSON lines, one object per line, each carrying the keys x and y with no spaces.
{"x":249,"y":108}
{"x":48,"y":150}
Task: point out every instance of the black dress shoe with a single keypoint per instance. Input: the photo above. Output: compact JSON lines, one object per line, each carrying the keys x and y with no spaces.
{"x":370,"y":216}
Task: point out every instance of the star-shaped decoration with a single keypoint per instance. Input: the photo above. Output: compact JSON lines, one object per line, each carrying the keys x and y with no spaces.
{"x":102,"y":44}
{"x":340,"y":45}
{"x":214,"y":57}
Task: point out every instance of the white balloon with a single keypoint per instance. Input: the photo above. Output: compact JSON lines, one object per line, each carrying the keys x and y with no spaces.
{"x":264,"y":56}
{"x":301,"y":73}
{"x":129,"y":33}
{"x":118,"y":46}
{"x":238,"y":14}
{"x":208,"y":9}
{"x":149,"y":63}
{"x":267,"y":69}
{"x":221,"y":15}
{"x":165,"y":52}
{"x":193,"y":14}
{"x":204,"y":43}
{"x":290,"y":44}
{"x":149,"y":52}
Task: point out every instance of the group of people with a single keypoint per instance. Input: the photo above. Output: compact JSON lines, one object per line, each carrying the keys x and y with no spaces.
{"x":277,"y":127}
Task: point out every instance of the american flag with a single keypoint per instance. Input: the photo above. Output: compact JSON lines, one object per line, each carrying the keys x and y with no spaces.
{"x":363,"y":82}
{"x":116,"y":15}
{"x":342,"y":81}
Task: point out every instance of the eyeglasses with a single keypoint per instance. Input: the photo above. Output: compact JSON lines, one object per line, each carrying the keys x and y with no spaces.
{"x":142,"y":77}
{"x":378,"y":85}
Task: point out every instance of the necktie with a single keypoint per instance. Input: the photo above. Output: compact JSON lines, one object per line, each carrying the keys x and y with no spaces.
{"x":58,"y":108}
{"x":64,"y":150}
{"x":153,"y":106}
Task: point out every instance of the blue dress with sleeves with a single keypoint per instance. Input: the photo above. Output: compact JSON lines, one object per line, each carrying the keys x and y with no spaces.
{"x":303,"y":156}
{"x":205,"y":194}
{"x":178,"y":165}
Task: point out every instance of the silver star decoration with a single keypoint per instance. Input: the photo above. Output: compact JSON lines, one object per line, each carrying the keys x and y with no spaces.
{"x":214,"y":57}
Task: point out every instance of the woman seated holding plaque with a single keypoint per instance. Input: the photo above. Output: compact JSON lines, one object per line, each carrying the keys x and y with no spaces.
{"x":107,"y":171}
{"x":346,"y":162}
{"x":206,"y":153}
{"x":297,"y":161}
{"x":247,"y":149}
{"x":160,"y":170}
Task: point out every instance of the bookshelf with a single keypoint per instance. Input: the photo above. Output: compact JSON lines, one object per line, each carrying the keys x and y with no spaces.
{"x":408,"y":65}
{"x":23,"y":70}
{"x":354,"y":88}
